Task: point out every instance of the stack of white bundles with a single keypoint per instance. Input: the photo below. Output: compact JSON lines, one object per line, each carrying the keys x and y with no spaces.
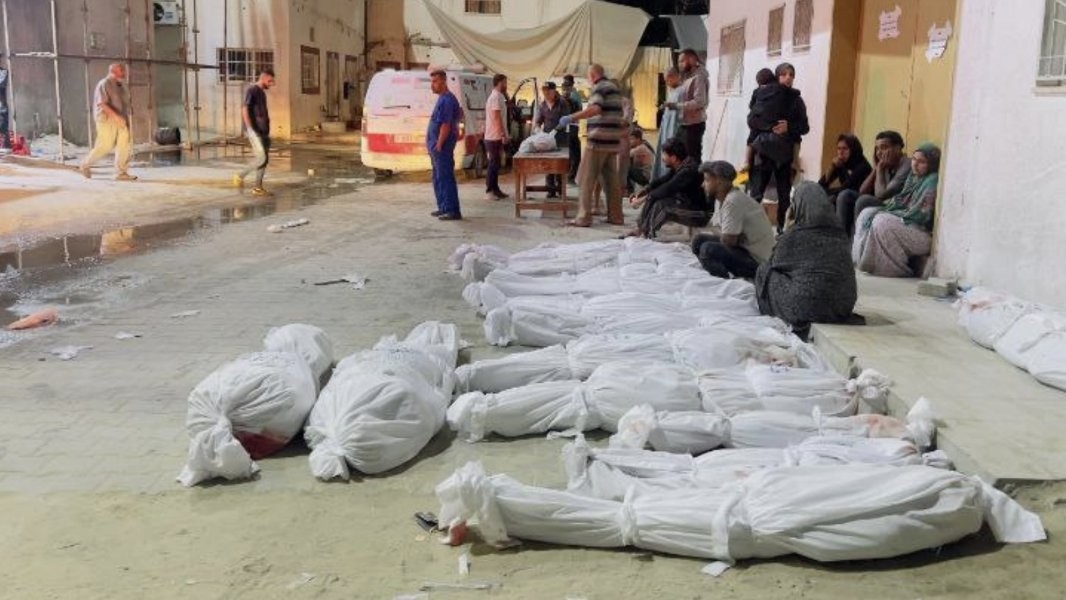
{"x":475,"y":261}
{"x":1046,"y":359}
{"x":834,"y":513}
{"x":307,"y":341}
{"x":245,"y":410}
{"x":545,"y":320}
{"x":382,"y":406}
{"x":781,"y":388}
{"x":639,"y":278}
{"x":611,"y":391}
{"x":1029,"y":330}
{"x":987,"y":314}
{"x":694,"y":432}
{"x":574,"y":361}
{"x":611,"y":473}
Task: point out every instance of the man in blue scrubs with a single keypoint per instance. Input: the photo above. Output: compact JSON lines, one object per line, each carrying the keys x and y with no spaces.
{"x":441,"y":138}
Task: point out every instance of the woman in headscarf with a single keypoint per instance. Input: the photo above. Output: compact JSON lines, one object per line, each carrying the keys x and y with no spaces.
{"x":849,"y":168}
{"x":886,"y":238}
{"x":670,"y":122}
{"x":809,"y":277}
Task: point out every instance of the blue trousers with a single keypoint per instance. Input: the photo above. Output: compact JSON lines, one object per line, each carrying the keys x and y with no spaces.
{"x":444,"y":186}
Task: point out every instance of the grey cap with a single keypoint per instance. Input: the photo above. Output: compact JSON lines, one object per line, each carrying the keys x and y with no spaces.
{"x":719,"y":169}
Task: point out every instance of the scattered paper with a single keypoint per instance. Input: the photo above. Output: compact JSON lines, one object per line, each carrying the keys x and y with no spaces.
{"x":288,"y":225}
{"x":464,"y":564}
{"x":302,"y":580}
{"x":716,"y":568}
{"x":68,"y":352}
{"x":185,"y":313}
{"x":125,"y":335}
{"x":358,"y":281}
{"x":432,"y":586}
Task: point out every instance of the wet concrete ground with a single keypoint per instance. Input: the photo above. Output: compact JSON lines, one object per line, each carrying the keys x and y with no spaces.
{"x":34,"y":268}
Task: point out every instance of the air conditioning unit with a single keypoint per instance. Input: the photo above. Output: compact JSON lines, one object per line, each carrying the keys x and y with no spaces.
{"x":165,"y":13}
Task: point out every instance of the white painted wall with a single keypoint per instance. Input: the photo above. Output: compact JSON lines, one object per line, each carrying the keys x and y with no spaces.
{"x":338,"y":27}
{"x":1003,"y":205}
{"x":727,"y":129}
{"x":282,"y":26}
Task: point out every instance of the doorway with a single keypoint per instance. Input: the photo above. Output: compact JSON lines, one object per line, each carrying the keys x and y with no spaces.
{"x":333,"y":86}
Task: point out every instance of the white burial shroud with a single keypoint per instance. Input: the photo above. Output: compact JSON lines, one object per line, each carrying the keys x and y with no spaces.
{"x":825,"y":513}
{"x":382,"y":406}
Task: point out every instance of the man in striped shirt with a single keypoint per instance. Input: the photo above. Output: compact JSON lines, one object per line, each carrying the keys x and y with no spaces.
{"x":599,"y":162}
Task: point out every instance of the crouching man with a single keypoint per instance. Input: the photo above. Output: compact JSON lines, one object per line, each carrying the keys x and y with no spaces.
{"x":745,"y":237}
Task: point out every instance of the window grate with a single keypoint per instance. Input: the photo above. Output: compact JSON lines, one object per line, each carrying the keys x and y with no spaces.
{"x":801,"y":26}
{"x":1052,"y":66}
{"x":310,"y":70}
{"x":731,"y":59}
{"x":242,"y":65}
{"x":484,"y":7}
{"x":776,"y":31}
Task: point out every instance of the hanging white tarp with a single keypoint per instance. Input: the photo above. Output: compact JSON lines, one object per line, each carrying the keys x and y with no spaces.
{"x":595,"y":32}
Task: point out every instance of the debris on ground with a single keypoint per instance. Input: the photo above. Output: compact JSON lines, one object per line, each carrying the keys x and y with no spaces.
{"x":358,"y":281}
{"x":184,"y":314}
{"x":288,"y":225}
{"x":125,"y":335}
{"x":434,"y":586}
{"x":68,"y":352}
{"x":40,"y":318}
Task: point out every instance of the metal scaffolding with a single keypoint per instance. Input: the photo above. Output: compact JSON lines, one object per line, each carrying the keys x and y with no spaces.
{"x":193,"y":66}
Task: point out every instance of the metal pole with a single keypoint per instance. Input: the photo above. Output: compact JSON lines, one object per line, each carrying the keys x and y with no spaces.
{"x":129,"y":70}
{"x":55,"y":71}
{"x":148,"y":41}
{"x":185,"y":71}
{"x":196,"y":73}
{"x":10,"y":77}
{"x":88,"y":90}
{"x":225,"y":82}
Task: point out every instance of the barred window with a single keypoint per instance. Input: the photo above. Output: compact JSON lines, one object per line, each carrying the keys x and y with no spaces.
{"x":1052,"y":69}
{"x":801,"y":27}
{"x":483,"y":7}
{"x":242,"y":65}
{"x":731,"y":59}
{"x":310,"y":70}
{"x":776,"y":31}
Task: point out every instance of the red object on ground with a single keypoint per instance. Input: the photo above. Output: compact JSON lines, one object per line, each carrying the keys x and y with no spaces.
{"x":37,"y":319}
{"x":19,"y":146}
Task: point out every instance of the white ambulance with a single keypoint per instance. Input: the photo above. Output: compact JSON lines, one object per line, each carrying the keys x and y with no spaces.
{"x":396,"y":115}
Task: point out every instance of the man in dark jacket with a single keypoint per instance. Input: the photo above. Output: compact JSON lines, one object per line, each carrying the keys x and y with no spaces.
{"x":792,"y":128}
{"x":677,"y":196}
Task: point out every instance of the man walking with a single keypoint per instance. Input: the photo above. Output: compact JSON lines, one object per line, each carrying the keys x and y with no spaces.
{"x":574,"y":130}
{"x":111,"y":110}
{"x":693,"y":104}
{"x":600,"y":161}
{"x":257,"y":127}
{"x":441,"y":137}
{"x":495,"y":135}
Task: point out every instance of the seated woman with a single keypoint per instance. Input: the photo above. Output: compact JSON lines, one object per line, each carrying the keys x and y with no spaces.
{"x":849,"y":168}
{"x":676,"y":197}
{"x":809,"y":277}
{"x":887,"y":237}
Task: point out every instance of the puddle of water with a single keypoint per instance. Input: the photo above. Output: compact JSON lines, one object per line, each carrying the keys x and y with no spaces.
{"x":41,"y":261}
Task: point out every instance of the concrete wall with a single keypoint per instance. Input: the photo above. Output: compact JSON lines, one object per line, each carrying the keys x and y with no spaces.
{"x":282,"y":26}
{"x":386,"y":35}
{"x":338,"y":27}
{"x":1002,"y":208}
{"x":727,"y":129}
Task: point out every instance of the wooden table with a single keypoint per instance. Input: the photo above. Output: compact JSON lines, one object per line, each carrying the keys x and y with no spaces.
{"x":556,"y":162}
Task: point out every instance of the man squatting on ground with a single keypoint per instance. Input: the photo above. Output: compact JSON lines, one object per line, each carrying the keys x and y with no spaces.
{"x":256,"y":119}
{"x":111,"y":110}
